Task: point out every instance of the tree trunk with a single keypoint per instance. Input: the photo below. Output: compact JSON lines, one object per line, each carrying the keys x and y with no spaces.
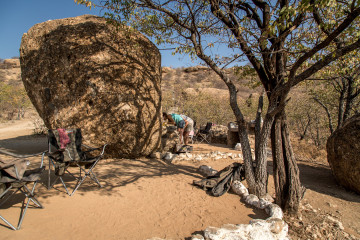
{"x":289,"y":191}
{"x":256,"y":176}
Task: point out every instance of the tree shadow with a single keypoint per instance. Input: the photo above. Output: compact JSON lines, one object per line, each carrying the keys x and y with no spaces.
{"x":112,"y":174}
{"x":319,"y":178}
{"x":23,"y":145}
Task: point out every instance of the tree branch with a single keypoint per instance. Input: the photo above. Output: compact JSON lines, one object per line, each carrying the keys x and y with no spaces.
{"x":325,"y":61}
{"x":350,"y":18}
{"x":327,"y":112}
{"x":244,"y":47}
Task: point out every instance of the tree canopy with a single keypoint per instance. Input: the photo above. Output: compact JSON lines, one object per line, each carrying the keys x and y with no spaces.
{"x":285,"y":41}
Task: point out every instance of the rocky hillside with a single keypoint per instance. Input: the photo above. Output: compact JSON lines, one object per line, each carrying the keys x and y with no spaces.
{"x":192,"y":80}
{"x":10,"y":72}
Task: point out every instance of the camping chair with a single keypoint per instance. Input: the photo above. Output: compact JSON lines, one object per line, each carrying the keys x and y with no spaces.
{"x":66,"y":150}
{"x":13,"y":175}
{"x":203,"y":134}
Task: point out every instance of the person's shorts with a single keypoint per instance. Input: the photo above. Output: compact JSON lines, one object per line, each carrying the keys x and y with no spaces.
{"x":190,"y":126}
{"x":181,"y":124}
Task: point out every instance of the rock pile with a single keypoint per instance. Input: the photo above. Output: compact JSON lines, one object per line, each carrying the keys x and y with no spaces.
{"x":84,"y":73}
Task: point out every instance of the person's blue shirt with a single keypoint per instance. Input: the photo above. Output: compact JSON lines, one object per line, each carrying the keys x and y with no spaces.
{"x":179,"y":121}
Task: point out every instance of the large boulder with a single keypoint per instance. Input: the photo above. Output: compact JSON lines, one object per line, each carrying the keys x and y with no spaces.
{"x":83,"y":72}
{"x":343,"y":153}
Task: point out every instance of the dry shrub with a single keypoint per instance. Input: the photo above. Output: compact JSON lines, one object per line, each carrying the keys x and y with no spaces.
{"x":307,"y":150}
{"x":13,"y":101}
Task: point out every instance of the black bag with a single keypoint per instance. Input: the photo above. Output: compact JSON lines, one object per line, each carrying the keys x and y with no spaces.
{"x":220,"y":183}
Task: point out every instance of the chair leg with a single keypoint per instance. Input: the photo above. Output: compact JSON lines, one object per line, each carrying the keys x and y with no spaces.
{"x":51,"y":185}
{"x":89,"y":173}
{"x":2,"y":195}
{"x":93,"y":177}
{"x":201,"y":138}
{"x":7,"y":222}
{"x":29,"y":194}
{"x":22,"y":213}
{"x":49,"y":173}
{"x":62,"y":181}
{"x":80,"y":181}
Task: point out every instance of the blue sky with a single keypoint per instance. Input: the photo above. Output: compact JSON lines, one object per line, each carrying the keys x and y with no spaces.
{"x":18,"y":16}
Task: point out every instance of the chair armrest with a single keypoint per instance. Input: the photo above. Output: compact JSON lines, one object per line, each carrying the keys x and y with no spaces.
{"x":47,"y":153}
{"x":102,"y":148}
{"x":54,"y":155}
{"x":16,"y":172}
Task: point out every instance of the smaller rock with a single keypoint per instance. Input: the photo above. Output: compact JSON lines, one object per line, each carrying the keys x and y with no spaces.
{"x":277,"y":225}
{"x":239,"y":189}
{"x":168,"y":156}
{"x":207,"y":170}
{"x":197,"y":237}
{"x":274,"y":211}
{"x":237,"y":147}
{"x":263,"y":203}
{"x":268,"y":198}
{"x":156,"y":155}
{"x":252,"y":200}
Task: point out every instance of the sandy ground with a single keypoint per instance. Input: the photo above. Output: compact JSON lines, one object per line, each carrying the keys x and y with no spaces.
{"x":145,"y":198}
{"x":141,"y":198}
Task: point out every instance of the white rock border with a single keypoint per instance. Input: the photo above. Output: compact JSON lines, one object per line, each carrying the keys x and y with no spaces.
{"x":271,"y":228}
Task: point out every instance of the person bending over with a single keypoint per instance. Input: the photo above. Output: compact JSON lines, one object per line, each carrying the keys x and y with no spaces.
{"x":178,"y":121}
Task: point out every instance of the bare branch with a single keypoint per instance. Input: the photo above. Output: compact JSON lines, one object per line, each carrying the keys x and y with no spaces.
{"x":327,"y":112}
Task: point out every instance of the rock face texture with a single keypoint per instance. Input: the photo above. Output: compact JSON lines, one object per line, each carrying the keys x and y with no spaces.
{"x":81,"y":72}
{"x":343,"y":148}
{"x":169,"y":139}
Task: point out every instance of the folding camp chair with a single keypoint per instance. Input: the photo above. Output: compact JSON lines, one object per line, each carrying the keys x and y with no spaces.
{"x":203,"y":134}
{"x":66,"y":150}
{"x":13,"y":175}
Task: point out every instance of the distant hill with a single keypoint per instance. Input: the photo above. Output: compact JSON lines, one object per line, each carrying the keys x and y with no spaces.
{"x":201,"y":79}
{"x":10,"y":72}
